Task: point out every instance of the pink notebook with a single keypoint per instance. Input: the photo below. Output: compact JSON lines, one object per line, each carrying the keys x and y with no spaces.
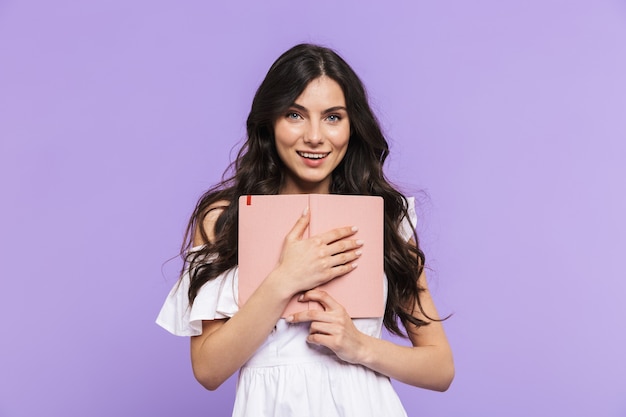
{"x":265,"y":220}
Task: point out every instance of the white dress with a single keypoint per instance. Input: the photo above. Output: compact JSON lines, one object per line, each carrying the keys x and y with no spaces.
{"x":286,"y":376}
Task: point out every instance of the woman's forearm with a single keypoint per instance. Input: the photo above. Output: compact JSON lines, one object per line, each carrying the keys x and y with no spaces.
{"x":225,"y":345}
{"x":429,"y":366}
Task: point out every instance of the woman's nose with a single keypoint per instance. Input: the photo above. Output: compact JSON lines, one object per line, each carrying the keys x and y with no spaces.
{"x":313,"y":134}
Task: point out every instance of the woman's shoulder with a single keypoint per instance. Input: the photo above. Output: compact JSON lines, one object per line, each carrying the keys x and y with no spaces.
{"x":205,"y":226}
{"x":215,"y":209}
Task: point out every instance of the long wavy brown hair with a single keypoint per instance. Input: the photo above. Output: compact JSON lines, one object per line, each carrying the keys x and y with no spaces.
{"x":258,"y":169}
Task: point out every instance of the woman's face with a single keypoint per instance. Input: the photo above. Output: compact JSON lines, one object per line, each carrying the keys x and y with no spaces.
{"x":312,"y":137}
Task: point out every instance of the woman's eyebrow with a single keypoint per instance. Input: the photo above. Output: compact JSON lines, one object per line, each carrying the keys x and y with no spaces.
{"x":329,"y":110}
{"x":299,"y":107}
{"x":336,"y":108}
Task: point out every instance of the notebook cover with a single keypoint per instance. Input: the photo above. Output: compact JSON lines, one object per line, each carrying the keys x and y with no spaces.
{"x":265,"y":220}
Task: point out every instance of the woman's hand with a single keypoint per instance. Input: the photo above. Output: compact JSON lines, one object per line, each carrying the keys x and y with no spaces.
{"x":331,"y":327}
{"x":427,"y":363}
{"x":306,"y":263}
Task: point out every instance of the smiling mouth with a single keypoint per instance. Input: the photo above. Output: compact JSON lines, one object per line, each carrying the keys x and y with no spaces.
{"x":309,"y":155}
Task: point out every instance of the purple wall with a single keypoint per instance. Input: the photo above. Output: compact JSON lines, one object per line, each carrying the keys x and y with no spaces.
{"x":116,"y":115}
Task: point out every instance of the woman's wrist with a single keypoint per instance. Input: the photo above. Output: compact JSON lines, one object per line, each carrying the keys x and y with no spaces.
{"x":366,"y":353}
{"x":277,"y":283}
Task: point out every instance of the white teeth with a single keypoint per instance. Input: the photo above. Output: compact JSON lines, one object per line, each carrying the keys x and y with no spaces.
{"x":312,"y":155}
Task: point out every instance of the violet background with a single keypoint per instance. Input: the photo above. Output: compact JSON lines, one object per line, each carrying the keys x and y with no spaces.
{"x":116,"y":115}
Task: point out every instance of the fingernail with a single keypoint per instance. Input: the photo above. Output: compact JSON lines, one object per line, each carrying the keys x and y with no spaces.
{"x":354,"y":228}
{"x":354,"y":265}
{"x":360,"y":242}
{"x":306,"y":211}
{"x":289,"y":319}
{"x":358,"y":253}
{"x":300,"y":297}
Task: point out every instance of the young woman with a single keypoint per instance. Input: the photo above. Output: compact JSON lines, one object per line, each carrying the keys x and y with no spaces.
{"x":310,"y":130}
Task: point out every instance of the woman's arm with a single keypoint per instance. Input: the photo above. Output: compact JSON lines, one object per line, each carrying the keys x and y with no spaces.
{"x":427,"y":363}
{"x":225,"y":345}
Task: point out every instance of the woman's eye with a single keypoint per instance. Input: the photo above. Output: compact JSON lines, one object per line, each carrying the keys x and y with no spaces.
{"x":293,"y":115}
{"x":334,"y":118}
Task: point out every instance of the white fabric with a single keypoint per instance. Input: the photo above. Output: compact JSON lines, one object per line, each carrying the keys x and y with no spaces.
{"x":286,"y":376}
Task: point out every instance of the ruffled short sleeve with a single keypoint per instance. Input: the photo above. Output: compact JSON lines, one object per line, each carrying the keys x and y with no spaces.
{"x":215,"y":300}
{"x":407,"y":226}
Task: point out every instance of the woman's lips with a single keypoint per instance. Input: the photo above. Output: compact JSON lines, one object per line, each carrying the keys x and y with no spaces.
{"x":313,"y":159}
{"x":313,"y":155}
